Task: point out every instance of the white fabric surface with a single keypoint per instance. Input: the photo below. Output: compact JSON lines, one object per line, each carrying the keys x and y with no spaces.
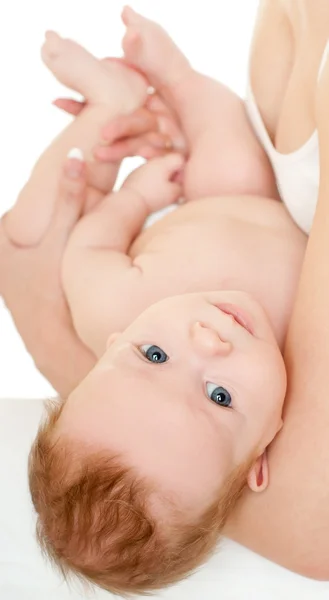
{"x":233,"y":573}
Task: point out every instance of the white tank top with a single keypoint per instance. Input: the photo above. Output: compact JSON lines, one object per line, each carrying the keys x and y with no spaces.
{"x":297,"y":173}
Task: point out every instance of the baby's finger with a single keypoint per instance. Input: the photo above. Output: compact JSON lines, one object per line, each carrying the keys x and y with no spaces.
{"x":176,"y":192}
{"x":172,"y":163}
{"x":73,"y":107}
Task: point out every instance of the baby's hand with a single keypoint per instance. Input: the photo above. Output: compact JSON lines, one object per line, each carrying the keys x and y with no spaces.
{"x":157,"y":181}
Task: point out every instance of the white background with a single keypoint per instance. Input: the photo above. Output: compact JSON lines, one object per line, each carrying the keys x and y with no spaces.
{"x":215,"y":34}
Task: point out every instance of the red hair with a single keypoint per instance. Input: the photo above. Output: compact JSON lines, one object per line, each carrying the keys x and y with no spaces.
{"x":95,"y":520}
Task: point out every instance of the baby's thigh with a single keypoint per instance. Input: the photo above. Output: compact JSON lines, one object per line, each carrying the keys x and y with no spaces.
{"x":229,"y":161}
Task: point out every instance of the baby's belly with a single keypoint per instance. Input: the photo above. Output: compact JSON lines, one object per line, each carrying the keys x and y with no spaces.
{"x":245,"y":211}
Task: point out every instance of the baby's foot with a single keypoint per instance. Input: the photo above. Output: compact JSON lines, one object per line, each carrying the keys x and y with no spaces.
{"x":100,"y":82}
{"x":156,"y":181}
{"x":147,"y":46}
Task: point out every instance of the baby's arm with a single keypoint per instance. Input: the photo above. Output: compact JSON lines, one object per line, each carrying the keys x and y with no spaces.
{"x":104,"y":285}
{"x":110,"y":89}
{"x":225,"y":155}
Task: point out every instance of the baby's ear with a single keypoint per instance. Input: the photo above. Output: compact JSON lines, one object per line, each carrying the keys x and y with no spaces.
{"x":111,"y":339}
{"x":258,"y":477}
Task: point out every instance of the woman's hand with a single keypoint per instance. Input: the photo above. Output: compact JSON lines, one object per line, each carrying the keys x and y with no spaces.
{"x":149,"y":132}
{"x":30,"y":284}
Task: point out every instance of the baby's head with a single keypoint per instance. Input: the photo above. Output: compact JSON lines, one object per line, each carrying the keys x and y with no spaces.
{"x":135,"y":474}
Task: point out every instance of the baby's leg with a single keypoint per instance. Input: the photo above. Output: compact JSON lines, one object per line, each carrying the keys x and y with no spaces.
{"x":110,"y":89}
{"x":225,"y":155}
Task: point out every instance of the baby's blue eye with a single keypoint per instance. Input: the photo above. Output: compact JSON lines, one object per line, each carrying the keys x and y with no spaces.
{"x":154,"y":354}
{"x":219,"y":395}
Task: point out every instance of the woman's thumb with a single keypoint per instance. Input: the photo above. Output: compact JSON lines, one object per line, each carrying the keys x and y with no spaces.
{"x":71,"y":195}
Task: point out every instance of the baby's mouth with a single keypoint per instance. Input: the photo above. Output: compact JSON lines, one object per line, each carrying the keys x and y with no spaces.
{"x":240,"y":316}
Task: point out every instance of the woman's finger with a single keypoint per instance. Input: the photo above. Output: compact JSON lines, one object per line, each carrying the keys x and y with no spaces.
{"x":130,"y":147}
{"x":73,"y":107}
{"x":138,"y":123}
{"x":168,"y":124}
{"x":171,"y":129}
{"x":158,"y":140}
{"x":118,"y":151}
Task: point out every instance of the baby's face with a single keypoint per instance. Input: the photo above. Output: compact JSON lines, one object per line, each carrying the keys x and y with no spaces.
{"x":186,"y":392}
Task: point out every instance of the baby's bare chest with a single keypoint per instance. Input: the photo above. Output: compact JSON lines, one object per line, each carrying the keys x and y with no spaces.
{"x":218,"y":245}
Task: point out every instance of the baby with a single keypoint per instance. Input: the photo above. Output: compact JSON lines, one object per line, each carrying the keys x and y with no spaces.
{"x":134,"y":475}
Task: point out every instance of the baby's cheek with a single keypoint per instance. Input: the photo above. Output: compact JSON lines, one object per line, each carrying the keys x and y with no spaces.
{"x":265,"y":376}
{"x":275,"y":377}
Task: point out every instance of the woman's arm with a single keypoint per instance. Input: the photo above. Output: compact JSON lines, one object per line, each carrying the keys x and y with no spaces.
{"x":30,"y":281}
{"x":30,"y":284}
{"x":289,"y":523}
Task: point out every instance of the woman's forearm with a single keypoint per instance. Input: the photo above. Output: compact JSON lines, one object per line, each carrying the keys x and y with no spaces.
{"x":47,"y":331}
{"x":39,"y":195}
{"x":289,"y":523}
{"x":63,"y":359}
{"x":308,"y":335}
{"x":30,"y":285}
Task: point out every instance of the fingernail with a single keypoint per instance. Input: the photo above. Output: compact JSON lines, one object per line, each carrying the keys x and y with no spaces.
{"x":75,"y":153}
{"x":74,"y":165}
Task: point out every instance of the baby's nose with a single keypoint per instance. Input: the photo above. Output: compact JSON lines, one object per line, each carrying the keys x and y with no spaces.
{"x":208,"y":341}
